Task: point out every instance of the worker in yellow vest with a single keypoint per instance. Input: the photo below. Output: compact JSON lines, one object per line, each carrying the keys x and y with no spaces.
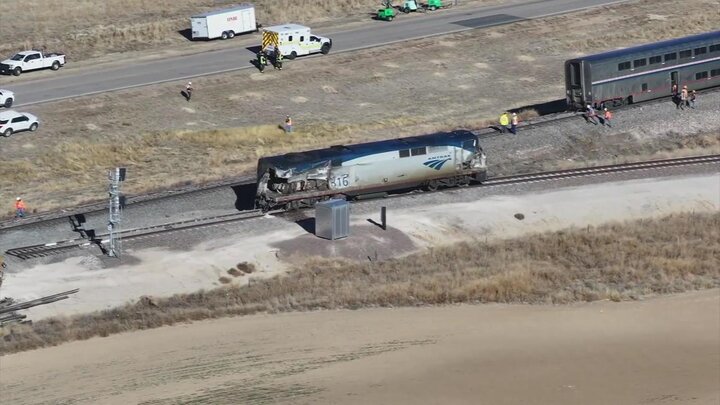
{"x":504,"y":122}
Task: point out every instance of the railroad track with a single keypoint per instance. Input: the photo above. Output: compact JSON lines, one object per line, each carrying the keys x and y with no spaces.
{"x":36,"y":251}
{"x":47,"y":249}
{"x":483,"y":133}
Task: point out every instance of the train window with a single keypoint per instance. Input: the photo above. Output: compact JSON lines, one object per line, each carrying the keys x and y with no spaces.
{"x":624,"y":66}
{"x":670,"y":56}
{"x":715,"y":48}
{"x":469,"y":145}
{"x":685,"y":54}
{"x":639,"y":63}
{"x":418,"y":151}
{"x":715,"y":73}
{"x":644,"y":87}
{"x":701,"y":75}
{"x":404,"y":153}
{"x":655,"y":59}
{"x":700,"y":51}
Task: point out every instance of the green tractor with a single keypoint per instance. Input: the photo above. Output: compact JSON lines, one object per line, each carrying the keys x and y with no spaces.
{"x":387,"y":13}
{"x":433,"y":5}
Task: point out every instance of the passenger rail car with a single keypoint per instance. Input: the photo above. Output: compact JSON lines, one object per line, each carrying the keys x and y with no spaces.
{"x":643,"y":72}
{"x":300,"y":179}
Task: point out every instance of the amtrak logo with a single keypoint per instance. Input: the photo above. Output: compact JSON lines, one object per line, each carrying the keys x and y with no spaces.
{"x":436,"y":164}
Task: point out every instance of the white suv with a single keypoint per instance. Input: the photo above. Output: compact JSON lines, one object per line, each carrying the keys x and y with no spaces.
{"x":11,"y":121}
{"x":6,"y":98}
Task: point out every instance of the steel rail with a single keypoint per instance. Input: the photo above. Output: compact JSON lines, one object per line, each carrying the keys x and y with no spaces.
{"x":483,"y":133}
{"x":35,"y":251}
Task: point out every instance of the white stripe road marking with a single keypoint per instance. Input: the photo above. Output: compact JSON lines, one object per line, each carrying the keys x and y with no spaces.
{"x":358,"y":48}
{"x":657,"y":70}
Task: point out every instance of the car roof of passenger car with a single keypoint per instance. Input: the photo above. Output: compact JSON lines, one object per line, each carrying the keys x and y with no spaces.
{"x":4,"y":115}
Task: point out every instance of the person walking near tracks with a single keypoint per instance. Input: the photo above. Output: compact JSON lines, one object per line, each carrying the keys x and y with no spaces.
{"x":684,"y":98}
{"x":504,"y":122}
{"x":514,"y":123}
{"x":188,"y":91}
{"x":278,"y":59}
{"x":19,"y":208}
{"x":693,"y":96}
{"x":262,"y":61}
{"x":607,"y":118}
{"x":591,"y":115}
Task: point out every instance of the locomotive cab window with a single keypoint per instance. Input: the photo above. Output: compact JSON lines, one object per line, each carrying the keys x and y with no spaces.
{"x":685,"y":54}
{"x":655,"y":60}
{"x":469,"y":144}
{"x":701,"y":75}
{"x":404,"y":153}
{"x":639,"y":63}
{"x":670,"y":56}
{"x":624,"y":66}
{"x":700,"y":51}
{"x":418,"y":151}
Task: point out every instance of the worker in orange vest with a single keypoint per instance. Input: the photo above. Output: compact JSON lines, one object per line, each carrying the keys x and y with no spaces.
{"x":19,"y":208}
{"x":607,"y":118}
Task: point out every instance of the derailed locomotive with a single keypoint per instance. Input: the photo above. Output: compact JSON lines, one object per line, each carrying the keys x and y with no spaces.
{"x":300,"y":179}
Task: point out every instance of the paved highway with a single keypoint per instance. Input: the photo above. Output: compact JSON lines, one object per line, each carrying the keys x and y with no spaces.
{"x":70,"y":84}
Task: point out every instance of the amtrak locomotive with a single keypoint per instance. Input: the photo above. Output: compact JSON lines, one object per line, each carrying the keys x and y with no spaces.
{"x":643,"y":72}
{"x":300,"y":179}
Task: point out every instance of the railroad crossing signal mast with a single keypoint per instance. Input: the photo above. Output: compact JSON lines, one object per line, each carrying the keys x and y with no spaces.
{"x":116,"y":176}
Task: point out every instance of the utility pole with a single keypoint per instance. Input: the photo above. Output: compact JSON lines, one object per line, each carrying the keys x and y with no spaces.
{"x":116,"y":176}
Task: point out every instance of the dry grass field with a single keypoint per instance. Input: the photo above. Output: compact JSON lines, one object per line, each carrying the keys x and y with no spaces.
{"x":621,"y":261}
{"x":404,"y":89}
{"x":90,"y":28}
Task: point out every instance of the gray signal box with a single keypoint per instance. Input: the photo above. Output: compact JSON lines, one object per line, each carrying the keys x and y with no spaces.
{"x":332,"y":219}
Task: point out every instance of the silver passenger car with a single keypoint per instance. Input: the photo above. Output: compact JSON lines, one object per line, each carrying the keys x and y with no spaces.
{"x":643,"y":72}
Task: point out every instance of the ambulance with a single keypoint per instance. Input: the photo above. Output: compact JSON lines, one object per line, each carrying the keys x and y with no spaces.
{"x":293,"y":40}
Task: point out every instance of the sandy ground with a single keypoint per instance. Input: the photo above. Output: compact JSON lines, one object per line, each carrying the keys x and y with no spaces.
{"x":152,"y":268}
{"x":410,"y":88}
{"x":663,"y":350}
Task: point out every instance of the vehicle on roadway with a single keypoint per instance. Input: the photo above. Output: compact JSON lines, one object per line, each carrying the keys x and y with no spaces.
{"x":293,"y":40}
{"x":7,"y":98}
{"x":224,"y":23}
{"x":300,"y":179}
{"x":31,"y":60}
{"x":13,"y":121}
{"x":644,"y":72}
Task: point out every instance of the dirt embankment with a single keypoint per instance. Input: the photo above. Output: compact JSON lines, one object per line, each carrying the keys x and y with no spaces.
{"x":617,"y":262}
{"x":662,"y":350}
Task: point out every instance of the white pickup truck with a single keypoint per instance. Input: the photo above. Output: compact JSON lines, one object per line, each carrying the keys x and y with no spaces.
{"x":31,"y":60}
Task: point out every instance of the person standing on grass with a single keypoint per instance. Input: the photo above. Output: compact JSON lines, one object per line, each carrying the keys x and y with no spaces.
{"x":607,"y":118}
{"x":692,"y":99}
{"x":514,"y":123}
{"x":188,"y":91}
{"x":504,"y":121}
{"x":19,"y":208}
{"x":288,"y":124}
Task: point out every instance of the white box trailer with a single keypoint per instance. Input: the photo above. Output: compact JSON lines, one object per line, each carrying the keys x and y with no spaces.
{"x":293,"y":40}
{"x":224,"y":23}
